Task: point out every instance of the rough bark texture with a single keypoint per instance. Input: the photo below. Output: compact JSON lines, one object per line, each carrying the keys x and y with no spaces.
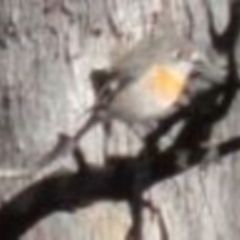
{"x":47,"y":50}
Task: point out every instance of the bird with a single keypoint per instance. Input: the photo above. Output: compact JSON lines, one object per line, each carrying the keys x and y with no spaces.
{"x":151,"y":81}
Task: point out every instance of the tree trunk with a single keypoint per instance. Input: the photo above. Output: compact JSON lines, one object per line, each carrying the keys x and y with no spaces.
{"x":47,"y":51}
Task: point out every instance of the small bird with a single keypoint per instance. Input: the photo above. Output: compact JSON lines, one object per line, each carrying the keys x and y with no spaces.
{"x":150,"y":81}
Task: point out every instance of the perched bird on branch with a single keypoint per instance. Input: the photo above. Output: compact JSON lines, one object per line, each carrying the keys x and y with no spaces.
{"x":152,"y":80}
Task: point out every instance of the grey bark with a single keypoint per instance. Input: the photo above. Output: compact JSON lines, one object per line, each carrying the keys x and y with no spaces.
{"x":47,"y":50}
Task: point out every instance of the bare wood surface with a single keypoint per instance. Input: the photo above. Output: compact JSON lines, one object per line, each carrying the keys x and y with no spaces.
{"x":47,"y":50}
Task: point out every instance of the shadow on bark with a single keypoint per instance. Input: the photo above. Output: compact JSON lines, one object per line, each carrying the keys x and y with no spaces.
{"x":126,"y":178}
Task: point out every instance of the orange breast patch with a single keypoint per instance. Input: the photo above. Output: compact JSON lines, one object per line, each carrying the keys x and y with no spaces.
{"x":166,"y":82}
